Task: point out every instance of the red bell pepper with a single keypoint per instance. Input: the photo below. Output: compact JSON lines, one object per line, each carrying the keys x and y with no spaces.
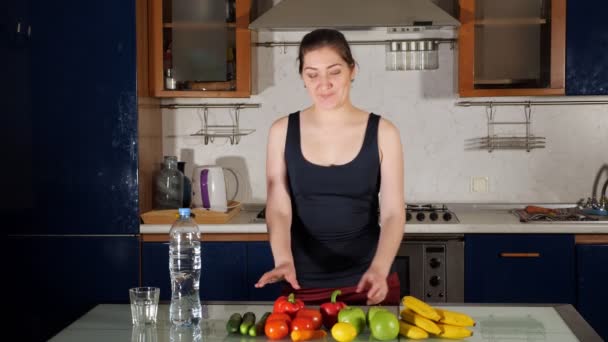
{"x":288,"y":304}
{"x":329,"y":311}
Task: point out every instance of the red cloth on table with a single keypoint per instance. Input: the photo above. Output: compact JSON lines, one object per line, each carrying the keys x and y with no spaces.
{"x":316,"y":296}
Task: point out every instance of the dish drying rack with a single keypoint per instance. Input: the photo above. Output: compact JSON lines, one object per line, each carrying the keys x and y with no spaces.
{"x":493,"y":141}
{"x":233,"y":132}
{"x":528,"y":141}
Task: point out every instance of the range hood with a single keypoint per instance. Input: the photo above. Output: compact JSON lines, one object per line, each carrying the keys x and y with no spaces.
{"x":352,"y":15}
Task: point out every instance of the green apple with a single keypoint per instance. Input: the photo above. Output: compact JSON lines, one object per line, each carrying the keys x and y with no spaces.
{"x":372,"y":311}
{"x":354,"y":316}
{"x":384,"y":325}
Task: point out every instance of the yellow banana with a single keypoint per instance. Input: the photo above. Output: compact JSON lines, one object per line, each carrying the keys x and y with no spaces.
{"x":420,"y":307}
{"x":411,"y":331}
{"x":426,"y":324}
{"x":455,"y":318}
{"x":453,"y":331}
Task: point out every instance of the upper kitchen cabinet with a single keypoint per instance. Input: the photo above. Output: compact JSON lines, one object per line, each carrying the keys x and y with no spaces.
{"x":512,"y":48}
{"x":200,"y":48}
{"x":587,"y":48}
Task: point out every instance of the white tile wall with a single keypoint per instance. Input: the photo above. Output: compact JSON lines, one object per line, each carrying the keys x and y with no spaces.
{"x":433,"y":130}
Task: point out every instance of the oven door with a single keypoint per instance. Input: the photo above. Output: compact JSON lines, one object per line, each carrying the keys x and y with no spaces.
{"x":431,"y":267}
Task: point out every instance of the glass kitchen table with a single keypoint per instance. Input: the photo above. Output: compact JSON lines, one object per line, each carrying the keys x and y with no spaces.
{"x":112,"y":322}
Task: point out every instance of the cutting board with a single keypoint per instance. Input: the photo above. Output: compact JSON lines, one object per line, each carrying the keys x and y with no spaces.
{"x":200,"y":215}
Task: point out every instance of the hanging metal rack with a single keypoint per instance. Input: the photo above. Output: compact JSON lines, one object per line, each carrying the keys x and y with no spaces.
{"x":493,"y":141}
{"x":285,"y":44}
{"x":527,"y":141}
{"x":232,"y":132}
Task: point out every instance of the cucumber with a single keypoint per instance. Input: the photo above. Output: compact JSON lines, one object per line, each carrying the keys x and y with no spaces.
{"x":248,"y":321}
{"x":258,"y":328}
{"x":234,"y":322}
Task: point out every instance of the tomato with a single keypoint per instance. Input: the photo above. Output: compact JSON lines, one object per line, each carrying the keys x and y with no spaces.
{"x":302,"y":323}
{"x":276,"y":329}
{"x":313,"y":315}
{"x":281,"y":316}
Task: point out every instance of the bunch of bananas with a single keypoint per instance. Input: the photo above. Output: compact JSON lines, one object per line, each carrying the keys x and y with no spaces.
{"x":418,"y":319}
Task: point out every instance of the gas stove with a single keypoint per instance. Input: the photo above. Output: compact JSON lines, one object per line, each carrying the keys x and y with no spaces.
{"x":429,"y":214}
{"x":414,"y":213}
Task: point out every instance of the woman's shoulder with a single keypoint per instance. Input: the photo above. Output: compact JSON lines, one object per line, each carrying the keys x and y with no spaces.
{"x":280,"y":124}
{"x":278,"y":129}
{"x":387,"y":131}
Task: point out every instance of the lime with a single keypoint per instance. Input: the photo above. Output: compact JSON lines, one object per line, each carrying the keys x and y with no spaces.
{"x":343,"y":332}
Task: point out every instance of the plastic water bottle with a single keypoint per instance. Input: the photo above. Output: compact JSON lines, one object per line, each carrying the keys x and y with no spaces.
{"x":185,"y":270}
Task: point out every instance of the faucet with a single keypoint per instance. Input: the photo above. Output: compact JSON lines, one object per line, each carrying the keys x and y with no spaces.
{"x":593,"y":202}
{"x":604,"y":199}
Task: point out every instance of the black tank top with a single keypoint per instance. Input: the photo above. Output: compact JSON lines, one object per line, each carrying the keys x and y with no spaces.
{"x":334,"y":229}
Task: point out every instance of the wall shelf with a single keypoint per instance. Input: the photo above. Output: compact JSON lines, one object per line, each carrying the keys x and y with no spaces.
{"x":233,"y":132}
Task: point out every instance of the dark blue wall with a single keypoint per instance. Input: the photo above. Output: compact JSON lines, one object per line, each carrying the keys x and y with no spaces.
{"x":75,"y":108}
{"x":70,"y":190}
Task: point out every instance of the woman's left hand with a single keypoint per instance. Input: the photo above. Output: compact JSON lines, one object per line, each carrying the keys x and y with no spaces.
{"x":376,"y":285}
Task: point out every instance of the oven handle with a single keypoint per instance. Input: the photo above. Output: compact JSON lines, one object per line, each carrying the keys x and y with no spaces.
{"x":519,"y":255}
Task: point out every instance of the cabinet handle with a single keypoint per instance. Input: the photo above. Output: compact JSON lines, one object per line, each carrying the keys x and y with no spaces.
{"x":519,"y":255}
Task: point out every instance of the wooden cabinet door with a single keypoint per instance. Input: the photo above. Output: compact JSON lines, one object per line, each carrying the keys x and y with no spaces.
{"x":511,"y":48}
{"x":519,"y":268}
{"x":200,"y":48}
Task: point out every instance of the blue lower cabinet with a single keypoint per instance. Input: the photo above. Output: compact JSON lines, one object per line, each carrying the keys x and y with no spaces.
{"x":259,"y":261}
{"x":56,"y":279}
{"x":592,"y":274}
{"x":520,"y":268}
{"x":155,"y":267}
{"x":223,"y":270}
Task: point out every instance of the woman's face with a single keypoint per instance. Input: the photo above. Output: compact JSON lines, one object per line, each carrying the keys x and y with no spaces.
{"x":327,"y":78}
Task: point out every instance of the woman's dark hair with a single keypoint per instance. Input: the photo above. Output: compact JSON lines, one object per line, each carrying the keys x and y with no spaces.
{"x":320,"y":38}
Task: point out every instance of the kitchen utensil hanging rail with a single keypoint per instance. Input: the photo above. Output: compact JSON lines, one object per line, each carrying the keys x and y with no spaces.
{"x":270,"y":44}
{"x":530,"y":103}
{"x":210,"y":105}
{"x":285,"y":44}
{"x":232,"y":132}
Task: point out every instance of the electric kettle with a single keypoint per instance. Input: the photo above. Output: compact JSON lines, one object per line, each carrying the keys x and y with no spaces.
{"x":209,"y":187}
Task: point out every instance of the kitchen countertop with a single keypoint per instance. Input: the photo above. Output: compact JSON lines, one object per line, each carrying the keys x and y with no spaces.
{"x":473,"y":218}
{"x":495,"y":322}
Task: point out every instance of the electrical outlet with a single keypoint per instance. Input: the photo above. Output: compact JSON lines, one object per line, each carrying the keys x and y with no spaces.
{"x":479,"y":184}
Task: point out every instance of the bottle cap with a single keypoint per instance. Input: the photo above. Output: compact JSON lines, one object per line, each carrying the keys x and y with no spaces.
{"x":184,"y":212}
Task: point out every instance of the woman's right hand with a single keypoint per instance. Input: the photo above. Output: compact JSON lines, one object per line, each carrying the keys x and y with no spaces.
{"x":285,"y":272}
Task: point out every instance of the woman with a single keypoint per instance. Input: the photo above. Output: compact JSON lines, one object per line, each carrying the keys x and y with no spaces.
{"x":325,"y":167}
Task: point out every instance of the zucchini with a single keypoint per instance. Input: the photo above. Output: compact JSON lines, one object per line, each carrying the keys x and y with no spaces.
{"x":234,"y":322}
{"x":248,"y":321}
{"x":258,"y":328}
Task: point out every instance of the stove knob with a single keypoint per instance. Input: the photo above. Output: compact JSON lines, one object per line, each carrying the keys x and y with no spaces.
{"x":420,"y":216}
{"x":435,"y":281}
{"x":408,"y":216}
{"x":434,"y":263}
{"x":447,"y":216}
{"x":433,"y":216}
